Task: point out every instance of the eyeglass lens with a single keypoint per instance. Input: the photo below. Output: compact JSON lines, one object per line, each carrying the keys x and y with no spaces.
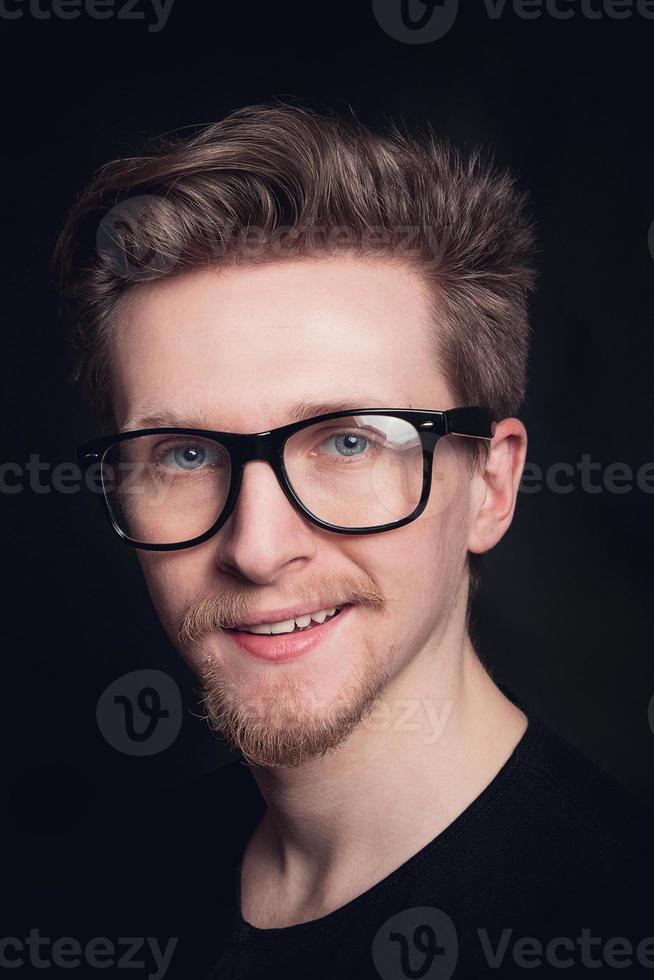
{"x":351,"y":471}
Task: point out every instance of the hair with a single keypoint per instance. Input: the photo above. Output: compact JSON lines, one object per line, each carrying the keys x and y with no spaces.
{"x":276,"y":181}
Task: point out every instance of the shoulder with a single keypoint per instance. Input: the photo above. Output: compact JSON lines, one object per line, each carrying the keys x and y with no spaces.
{"x":583,"y":823}
{"x":579,"y":793}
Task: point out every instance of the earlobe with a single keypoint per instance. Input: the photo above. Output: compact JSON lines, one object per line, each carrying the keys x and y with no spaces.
{"x":497,"y":497}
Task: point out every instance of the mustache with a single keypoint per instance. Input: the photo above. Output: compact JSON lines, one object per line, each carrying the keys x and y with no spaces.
{"x":222,"y":609}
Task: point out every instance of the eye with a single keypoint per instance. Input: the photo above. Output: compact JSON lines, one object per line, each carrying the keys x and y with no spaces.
{"x":349,"y":443}
{"x":190,"y":458}
{"x":185,"y":457}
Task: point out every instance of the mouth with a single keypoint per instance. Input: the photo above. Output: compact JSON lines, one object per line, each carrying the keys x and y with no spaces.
{"x":278,"y":647}
{"x":300,"y":625}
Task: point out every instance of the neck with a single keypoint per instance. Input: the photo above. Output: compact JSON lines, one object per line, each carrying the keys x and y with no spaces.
{"x":336,"y":825}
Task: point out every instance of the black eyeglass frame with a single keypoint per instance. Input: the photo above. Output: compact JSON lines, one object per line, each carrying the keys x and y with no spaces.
{"x":471,"y":421}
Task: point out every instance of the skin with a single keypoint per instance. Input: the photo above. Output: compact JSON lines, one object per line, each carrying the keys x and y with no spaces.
{"x":412,"y":726}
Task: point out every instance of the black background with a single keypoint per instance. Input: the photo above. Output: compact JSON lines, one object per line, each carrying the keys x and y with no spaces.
{"x":565,"y":618}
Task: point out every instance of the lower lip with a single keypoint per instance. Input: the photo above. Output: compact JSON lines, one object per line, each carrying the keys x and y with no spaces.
{"x":286,"y":646}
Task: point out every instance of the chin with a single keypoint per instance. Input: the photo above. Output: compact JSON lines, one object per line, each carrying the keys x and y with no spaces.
{"x":285,"y":714}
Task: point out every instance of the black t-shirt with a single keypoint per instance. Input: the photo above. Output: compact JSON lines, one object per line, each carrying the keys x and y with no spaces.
{"x":548,"y":871}
{"x":552,"y":851}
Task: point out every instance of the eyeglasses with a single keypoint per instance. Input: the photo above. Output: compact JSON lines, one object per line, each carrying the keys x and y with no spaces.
{"x":362,"y":472}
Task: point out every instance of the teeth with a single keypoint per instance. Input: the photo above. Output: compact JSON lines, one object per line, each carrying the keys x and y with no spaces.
{"x":289,"y":625}
{"x":262,"y":628}
{"x":285,"y":627}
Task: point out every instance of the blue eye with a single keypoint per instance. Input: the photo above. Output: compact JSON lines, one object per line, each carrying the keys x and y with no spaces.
{"x":185,"y":457}
{"x":190,"y":458}
{"x":344,"y":444}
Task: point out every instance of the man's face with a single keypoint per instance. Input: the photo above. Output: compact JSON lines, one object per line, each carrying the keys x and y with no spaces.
{"x":230,"y":350}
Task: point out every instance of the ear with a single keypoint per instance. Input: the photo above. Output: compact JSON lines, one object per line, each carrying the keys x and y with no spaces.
{"x":494,"y":491}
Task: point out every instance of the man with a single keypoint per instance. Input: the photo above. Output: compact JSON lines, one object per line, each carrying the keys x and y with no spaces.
{"x":307,"y":344}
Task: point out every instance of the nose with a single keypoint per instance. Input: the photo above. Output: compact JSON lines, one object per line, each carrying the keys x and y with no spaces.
{"x":264,"y":533}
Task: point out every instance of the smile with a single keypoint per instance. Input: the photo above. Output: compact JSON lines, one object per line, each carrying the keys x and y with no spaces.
{"x":299,"y":624}
{"x":289,"y":640}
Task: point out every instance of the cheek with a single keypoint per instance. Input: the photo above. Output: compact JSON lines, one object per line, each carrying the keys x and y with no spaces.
{"x":419,"y":566}
{"x":171,"y":580}
{"x":450,"y":483}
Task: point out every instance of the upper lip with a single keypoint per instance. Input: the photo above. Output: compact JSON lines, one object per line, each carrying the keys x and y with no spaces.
{"x":291,"y":612}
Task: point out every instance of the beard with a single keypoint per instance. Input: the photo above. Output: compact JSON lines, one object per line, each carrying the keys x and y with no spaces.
{"x":273,"y":718}
{"x":284,"y":726}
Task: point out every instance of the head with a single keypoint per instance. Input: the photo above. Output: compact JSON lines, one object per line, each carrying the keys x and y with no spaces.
{"x":281,"y":257}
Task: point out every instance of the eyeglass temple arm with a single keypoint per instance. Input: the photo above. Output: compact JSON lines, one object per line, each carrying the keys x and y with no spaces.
{"x":473,"y":422}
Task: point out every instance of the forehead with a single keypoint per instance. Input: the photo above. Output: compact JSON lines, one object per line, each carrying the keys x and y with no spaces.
{"x":237,"y":348}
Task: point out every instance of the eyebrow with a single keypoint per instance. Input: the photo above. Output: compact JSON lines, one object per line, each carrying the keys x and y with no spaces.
{"x":297,"y":412}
